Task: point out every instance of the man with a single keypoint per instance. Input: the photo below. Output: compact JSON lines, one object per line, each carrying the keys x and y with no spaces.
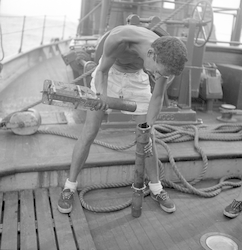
{"x":127,"y":51}
{"x":234,"y":209}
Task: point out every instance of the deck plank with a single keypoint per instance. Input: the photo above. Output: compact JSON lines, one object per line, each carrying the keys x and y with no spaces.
{"x":106,"y":227}
{"x":149,"y":229}
{"x":10,"y":221}
{"x":45,"y":223}
{"x":181,"y":230}
{"x":94,"y":229}
{"x":1,"y":205}
{"x":28,"y":240}
{"x":159,"y":220}
{"x":185,"y":216}
{"x":150,"y":213}
{"x":116,"y":230}
{"x":107,"y":235}
{"x":80,"y":226}
{"x":155,"y":229}
{"x":64,"y":233}
{"x":120,"y":233}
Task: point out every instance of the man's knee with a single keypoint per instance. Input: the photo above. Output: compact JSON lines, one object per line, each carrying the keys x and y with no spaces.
{"x":89,"y":132}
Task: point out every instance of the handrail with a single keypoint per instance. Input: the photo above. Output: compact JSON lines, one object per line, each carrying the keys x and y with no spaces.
{"x":42,"y":34}
{"x":226,"y":42}
{"x":17,"y":64}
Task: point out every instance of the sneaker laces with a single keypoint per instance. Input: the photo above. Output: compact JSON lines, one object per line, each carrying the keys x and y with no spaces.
{"x":240,"y":206}
{"x":67,"y":196}
{"x":163,"y":195}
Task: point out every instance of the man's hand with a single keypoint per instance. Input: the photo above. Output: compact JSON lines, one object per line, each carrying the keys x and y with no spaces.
{"x":100,"y":104}
{"x":148,"y":148}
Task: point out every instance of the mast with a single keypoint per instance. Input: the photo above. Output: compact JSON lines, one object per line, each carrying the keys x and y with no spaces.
{"x":104,"y":15}
{"x":85,"y":28}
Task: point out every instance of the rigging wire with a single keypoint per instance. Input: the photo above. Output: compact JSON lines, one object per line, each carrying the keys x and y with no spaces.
{"x":1,"y":44}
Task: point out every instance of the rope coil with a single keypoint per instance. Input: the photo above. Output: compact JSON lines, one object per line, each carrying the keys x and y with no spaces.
{"x":164,"y":134}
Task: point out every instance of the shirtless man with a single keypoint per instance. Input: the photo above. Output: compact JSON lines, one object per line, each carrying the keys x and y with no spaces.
{"x":127,"y":52}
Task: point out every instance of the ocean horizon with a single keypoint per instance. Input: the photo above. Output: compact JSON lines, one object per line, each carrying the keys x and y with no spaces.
{"x":12,"y":25}
{"x":60,"y":27}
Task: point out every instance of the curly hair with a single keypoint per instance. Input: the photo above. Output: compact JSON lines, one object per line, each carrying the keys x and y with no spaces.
{"x":171,"y":52}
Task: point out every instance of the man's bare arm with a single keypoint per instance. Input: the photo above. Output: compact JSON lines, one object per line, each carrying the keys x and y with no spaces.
{"x":113,"y":47}
{"x":156,"y":101}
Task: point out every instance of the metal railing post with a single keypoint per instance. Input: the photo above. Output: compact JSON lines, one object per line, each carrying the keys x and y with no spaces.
{"x":22,"y":36}
{"x":63,"y":30}
{"x":43,"y":31}
{"x":142,"y":139}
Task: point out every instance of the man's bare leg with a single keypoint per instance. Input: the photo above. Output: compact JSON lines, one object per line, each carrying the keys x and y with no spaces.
{"x":79,"y":156}
{"x":82,"y":147}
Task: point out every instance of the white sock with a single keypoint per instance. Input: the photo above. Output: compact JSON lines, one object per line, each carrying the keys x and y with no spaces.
{"x":155,"y":188}
{"x":70,"y":185}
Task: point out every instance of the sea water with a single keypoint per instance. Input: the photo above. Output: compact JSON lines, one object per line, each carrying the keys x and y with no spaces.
{"x":12,"y":26}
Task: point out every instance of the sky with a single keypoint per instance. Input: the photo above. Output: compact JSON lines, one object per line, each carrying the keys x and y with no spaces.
{"x":223,"y":22}
{"x":69,"y":8}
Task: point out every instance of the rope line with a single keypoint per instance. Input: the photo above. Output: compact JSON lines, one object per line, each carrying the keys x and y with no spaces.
{"x":83,"y":76}
{"x":167,"y":134}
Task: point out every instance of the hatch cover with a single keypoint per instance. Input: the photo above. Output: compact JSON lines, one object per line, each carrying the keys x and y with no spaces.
{"x":218,"y":241}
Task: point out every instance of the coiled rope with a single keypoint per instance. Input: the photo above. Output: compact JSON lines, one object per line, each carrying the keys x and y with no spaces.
{"x":167,"y":134}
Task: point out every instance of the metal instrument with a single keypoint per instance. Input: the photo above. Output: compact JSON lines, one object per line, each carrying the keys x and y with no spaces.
{"x":80,"y":97}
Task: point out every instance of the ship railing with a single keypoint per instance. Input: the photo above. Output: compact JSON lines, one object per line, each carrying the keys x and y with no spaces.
{"x":99,"y":20}
{"x":22,"y":33}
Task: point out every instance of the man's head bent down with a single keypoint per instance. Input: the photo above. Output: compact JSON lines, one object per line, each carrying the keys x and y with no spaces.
{"x":170,"y":53}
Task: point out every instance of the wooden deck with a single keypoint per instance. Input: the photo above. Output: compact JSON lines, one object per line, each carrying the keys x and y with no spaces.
{"x":29,"y":218}
{"x":30,"y":221}
{"x":43,"y":160}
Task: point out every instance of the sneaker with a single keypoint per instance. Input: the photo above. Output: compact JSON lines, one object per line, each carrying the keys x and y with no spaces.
{"x":65,"y":202}
{"x":165,"y":202}
{"x":233,"y":209}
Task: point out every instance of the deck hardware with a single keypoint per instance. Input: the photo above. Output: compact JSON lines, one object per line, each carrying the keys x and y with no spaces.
{"x":142,"y":139}
{"x":22,"y":122}
{"x":138,"y":189}
{"x":228,"y":111}
{"x":218,"y":241}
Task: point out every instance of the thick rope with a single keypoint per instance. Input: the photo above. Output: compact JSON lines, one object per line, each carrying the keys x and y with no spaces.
{"x":165,"y":134}
{"x":100,"y":143}
{"x":89,"y":72}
